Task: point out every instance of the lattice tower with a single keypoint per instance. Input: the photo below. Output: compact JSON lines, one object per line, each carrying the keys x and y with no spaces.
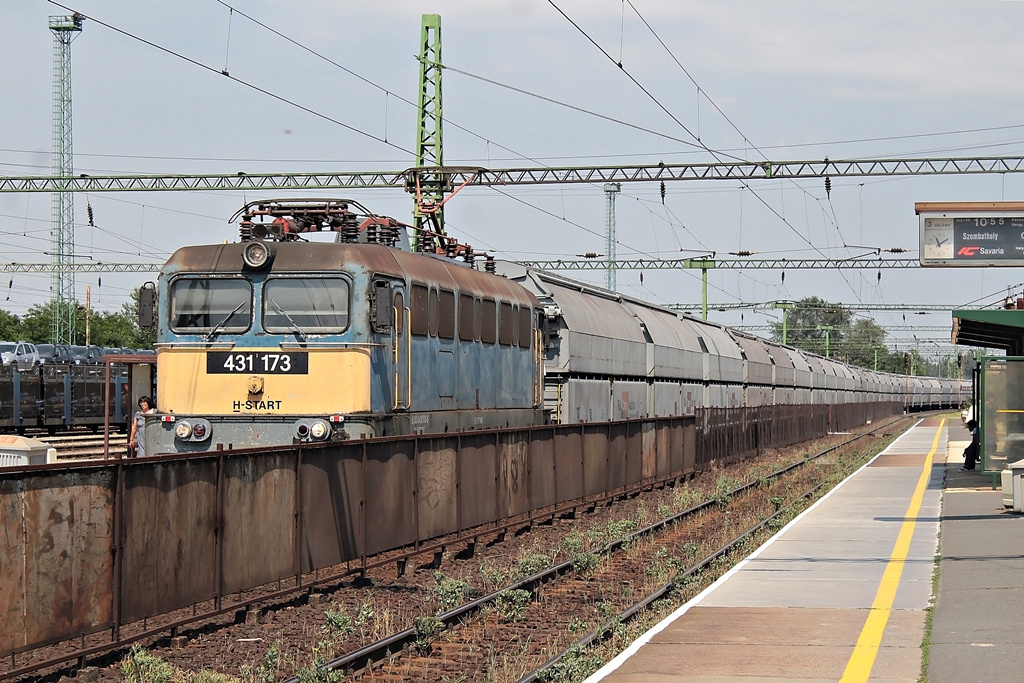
{"x":611,"y":190}
{"x":429,"y":150}
{"x":62,"y":233}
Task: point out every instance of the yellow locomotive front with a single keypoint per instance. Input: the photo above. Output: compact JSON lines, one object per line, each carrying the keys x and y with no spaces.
{"x":260,"y":355}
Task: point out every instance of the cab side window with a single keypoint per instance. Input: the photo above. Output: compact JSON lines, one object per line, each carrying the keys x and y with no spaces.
{"x":432,"y":313}
{"x":467,"y":321}
{"x":418,"y":301}
{"x":488,"y":321}
{"x":446,"y":315}
{"x":525,"y":327}
{"x":505,"y":326}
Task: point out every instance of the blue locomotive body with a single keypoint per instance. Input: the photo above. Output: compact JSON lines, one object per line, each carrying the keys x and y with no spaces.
{"x":270,"y":342}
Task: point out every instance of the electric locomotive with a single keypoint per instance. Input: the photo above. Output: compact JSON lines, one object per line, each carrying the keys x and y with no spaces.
{"x":277,"y":340}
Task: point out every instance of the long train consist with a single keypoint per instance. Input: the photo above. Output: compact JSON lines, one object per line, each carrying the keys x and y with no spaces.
{"x":278,"y":340}
{"x":608,"y":357}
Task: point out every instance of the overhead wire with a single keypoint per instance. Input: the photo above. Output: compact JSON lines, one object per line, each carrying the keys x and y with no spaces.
{"x":744,"y":137}
{"x":700,"y":91}
{"x":369,"y":82}
{"x":234,"y":79}
{"x":660,"y":154}
{"x":326,"y":117}
{"x":626,"y":73}
{"x":387,"y":92}
{"x":576,"y":108}
{"x":446,"y":120}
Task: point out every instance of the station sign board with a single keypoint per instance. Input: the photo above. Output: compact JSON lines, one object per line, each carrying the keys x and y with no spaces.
{"x":971,"y":234}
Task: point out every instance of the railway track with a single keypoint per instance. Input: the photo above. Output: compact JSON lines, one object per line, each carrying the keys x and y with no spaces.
{"x":86,"y":446}
{"x":509,"y":604}
{"x":594,"y":592}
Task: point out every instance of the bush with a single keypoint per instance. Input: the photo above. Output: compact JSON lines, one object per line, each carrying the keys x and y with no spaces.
{"x":530,"y":565}
{"x":512,"y":604}
{"x":139,"y":666}
{"x":577,"y":664}
{"x":426,"y":628}
{"x":585,"y":563}
{"x":205,"y":676}
{"x":266,"y":670}
{"x":315,"y":671}
{"x":573,"y":543}
{"x":337,"y":624}
{"x":450,"y":592}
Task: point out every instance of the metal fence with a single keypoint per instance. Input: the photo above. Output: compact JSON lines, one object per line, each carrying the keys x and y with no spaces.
{"x":94,"y":546}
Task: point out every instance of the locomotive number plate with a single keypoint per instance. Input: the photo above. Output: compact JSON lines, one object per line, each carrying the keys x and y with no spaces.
{"x":267,"y":363}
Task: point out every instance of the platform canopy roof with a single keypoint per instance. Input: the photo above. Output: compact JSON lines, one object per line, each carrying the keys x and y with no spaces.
{"x":995,"y":329}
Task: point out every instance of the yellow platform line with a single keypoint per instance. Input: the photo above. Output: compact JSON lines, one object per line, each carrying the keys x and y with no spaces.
{"x":864,"y":654}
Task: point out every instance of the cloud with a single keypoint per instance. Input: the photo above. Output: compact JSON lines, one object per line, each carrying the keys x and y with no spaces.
{"x":893,"y":50}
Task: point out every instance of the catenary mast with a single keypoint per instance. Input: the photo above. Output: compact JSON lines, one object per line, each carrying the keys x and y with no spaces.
{"x":431,"y":186}
{"x":611,"y":190}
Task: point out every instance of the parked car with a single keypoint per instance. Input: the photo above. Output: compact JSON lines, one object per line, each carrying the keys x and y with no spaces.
{"x":87,"y":355}
{"x":55,"y":353}
{"x":119,"y":351}
{"x":21,"y":355}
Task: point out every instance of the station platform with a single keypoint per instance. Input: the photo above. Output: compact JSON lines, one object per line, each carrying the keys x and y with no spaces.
{"x":843,"y":592}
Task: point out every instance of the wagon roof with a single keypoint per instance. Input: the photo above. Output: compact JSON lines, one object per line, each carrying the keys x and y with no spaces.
{"x":320,"y":257}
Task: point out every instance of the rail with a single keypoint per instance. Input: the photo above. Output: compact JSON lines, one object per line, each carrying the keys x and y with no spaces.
{"x":386,"y":648}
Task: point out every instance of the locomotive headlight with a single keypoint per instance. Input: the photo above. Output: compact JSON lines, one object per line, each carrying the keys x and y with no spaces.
{"x":183,"y":429}
{"x":257,"y":254}
{"x":319,"y":429}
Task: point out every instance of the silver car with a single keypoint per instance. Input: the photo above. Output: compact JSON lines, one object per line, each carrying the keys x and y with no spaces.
{"x":22,"y":355}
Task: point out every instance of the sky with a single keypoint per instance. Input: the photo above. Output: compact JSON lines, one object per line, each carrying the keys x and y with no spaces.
{"x":320,"y":86}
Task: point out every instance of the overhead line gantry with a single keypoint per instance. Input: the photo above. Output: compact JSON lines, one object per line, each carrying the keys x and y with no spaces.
{"x":81,"y":267}
{"x":727,"y":264}
{"x":887,"y":328}
{"x":484,"y":177}
{"x":737,"y":305}
{"x":569,"y":264}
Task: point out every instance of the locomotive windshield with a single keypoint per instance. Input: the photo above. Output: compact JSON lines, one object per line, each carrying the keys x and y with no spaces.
{"x":204,"y":304}
{"x":305,"y":305}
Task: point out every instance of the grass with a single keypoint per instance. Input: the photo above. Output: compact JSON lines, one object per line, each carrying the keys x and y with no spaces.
{"x":141,"y":666}
{"x":581,"y":663}
{"x":929,"y":616}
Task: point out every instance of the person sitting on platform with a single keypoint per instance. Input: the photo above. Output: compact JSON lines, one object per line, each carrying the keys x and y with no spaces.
{"x":971,"y":452}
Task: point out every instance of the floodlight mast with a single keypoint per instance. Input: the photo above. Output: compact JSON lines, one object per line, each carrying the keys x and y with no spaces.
{"x":62,"y":233}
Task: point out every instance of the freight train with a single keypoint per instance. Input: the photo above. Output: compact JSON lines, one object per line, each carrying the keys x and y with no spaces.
{"x":282,"y":339}
{"x":609,"y":357}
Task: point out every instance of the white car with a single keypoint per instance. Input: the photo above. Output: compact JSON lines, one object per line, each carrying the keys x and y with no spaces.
{"x":22,"y":355}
